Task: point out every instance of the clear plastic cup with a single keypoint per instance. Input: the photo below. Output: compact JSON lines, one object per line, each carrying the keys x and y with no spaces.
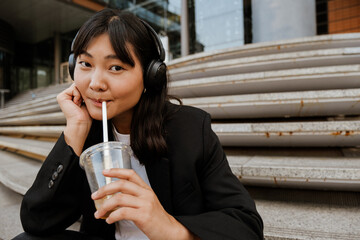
{"x":105,"y":155}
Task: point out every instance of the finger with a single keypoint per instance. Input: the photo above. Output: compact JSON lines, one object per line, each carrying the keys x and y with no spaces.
{"x":120,"y":185}
{"x":124,"y":213}
{"x":67,"y":94}
{"x":77,"y":98}
{"x":128,"y":174}
{"x":64,"y":95}
{"x":117,"y":201}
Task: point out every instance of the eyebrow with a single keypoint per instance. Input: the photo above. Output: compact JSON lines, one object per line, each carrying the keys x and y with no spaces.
{"x":111,"y":56}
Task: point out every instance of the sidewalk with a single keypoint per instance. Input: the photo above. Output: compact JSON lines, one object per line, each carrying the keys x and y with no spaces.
{"x":10,"y":224}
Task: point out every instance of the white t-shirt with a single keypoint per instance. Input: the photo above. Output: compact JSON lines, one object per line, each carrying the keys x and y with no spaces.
{"x":126,"y":229}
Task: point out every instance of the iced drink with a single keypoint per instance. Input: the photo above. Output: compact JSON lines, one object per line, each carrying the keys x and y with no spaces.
{"x":102,"y":156}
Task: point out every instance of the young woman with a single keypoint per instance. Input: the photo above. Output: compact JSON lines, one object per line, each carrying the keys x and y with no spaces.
{"x":180,"y":187}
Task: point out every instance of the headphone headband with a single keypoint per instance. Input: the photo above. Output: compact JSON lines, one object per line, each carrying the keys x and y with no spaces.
{"x":156,"y":38}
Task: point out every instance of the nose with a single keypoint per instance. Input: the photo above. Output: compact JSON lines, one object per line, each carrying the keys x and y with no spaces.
{"x":98,"y":82}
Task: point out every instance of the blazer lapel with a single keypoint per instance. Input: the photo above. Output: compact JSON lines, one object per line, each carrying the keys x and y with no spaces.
{"x":158,"y":172}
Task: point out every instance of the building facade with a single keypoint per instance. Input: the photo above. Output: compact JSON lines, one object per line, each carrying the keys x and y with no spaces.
{"x":35,"y":35}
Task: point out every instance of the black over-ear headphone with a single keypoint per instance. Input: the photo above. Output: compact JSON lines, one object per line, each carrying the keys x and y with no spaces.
{"x":154,"y":74}
{"x":72,"y":60}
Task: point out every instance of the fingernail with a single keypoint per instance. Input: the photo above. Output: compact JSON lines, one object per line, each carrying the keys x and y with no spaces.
{"x":96,"y":214}
{"x":106,"y":170}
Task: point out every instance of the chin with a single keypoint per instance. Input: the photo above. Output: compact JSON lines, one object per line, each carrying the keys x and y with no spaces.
{"x":96,"y":118}
{"x":95,"y":115}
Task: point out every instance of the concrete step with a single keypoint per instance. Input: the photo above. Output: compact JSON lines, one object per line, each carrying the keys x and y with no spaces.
{"x":38,"y":93}
{"x":279,"y":61}
{"x":264,"y":48}
{"x":39,"y":102}
{"x":325,"y":173}
{"x":29,"y":147}
{"x":303,"y":221}
{"x":292,"y":104}
{"x":289,"y":134}
{"x":288,"y":104}
{"x":281,"y":134}
{"x":318,"y":78}
{"x":306,"y":103}
{"x":17,"y":172}
{"x":40,"y":119}
{"x":37,"y":131}
{"x":20,"y":174}
{"x":280,"y":171}
{"x":282,"y":219}
{"x":41,"y":108}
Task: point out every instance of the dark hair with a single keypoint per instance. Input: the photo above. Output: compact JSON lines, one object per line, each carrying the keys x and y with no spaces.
{"x":147,"y":136}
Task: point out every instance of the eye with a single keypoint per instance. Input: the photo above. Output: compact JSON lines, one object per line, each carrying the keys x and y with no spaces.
{"x":116,"y":68}
{"x":84,"y":64}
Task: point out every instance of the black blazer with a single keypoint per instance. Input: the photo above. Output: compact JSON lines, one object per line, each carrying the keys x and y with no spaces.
{"x":194,"y":183}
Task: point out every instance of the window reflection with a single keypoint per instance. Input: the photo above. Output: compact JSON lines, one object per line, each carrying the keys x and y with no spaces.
{"x":212,"y":24}
{"x":218,"y":27}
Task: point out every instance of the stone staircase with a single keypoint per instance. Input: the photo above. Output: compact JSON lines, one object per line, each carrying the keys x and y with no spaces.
{"x":286,"y":112}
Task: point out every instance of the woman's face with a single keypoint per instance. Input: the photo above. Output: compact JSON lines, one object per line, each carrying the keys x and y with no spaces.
{"x":101,"y":76}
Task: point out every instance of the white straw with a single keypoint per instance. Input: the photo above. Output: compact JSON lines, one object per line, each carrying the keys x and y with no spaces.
{"x":104,"y":122}
{"x":107,"y":157}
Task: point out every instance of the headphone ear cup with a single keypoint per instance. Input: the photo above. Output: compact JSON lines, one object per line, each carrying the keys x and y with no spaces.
{"x":72,"y":65}
{"x":155,"y":76}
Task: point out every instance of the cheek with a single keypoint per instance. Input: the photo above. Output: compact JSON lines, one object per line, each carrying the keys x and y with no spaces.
{"x":128,"y":93}
{"x":80,"y":86}
{"x":133,"y":83}
{"x":138,"y":87}
{"x":80,"y":81}
{"x":131,"y":91}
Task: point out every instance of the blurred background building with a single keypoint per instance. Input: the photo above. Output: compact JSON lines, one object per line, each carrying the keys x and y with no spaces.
{"x":35,"y":35}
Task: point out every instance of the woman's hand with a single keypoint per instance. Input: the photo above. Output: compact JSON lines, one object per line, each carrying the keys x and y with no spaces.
{"x":134,"y":200}
{"x":78,"y":120}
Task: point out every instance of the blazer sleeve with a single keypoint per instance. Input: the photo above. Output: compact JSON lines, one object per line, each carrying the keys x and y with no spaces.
{"x":230,"y":212}
{"x":52,"y":203}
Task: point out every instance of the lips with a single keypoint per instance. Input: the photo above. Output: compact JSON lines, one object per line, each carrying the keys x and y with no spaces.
{"x":97,"y":102}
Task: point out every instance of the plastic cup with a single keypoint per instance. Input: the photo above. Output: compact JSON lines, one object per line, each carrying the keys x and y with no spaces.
{"x":105,"y":155}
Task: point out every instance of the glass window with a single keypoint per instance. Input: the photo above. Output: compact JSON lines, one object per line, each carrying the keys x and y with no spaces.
{"x":24,"y":76}
{"x":43,"y":76}
{"x":162,"y":15}
{"x":218,"y":24}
